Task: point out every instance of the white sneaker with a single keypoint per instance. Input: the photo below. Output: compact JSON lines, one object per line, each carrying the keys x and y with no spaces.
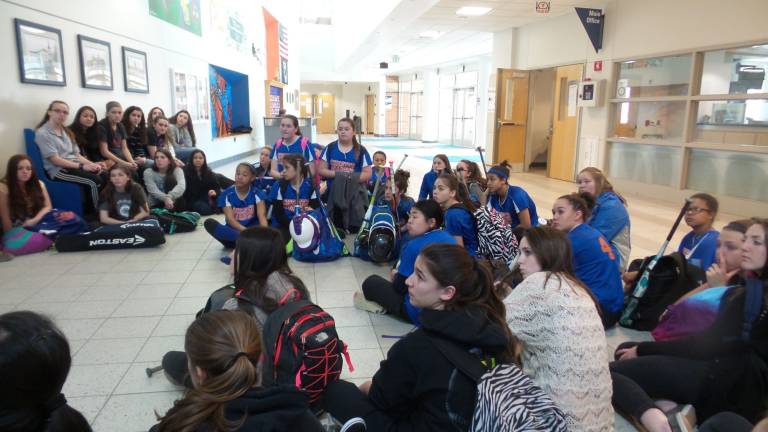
{"x":362,"y":303}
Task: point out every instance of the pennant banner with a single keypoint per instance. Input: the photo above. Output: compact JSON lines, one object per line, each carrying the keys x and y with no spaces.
{"x":593,"y":21}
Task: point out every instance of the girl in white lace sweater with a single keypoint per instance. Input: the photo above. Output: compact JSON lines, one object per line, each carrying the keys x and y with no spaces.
{"x":556,"y":319}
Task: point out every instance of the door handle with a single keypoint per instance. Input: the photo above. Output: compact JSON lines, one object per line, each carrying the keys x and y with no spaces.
{"x":505,"y":123}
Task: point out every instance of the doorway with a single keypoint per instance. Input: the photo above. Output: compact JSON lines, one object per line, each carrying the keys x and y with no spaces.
{"x":540,"y":118}
{"x":305,"y":105}
{"x":464,"y":106}
{"x":511,"y":117}
{"x":324,"y":111}
{"x":370,"y":114}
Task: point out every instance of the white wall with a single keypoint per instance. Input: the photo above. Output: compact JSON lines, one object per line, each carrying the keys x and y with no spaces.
{"x":129,"y":24}
{"x":346,"y":96}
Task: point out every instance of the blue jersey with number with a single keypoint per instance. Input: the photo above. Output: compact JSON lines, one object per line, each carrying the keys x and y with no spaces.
{"x":291,"y":198}
{"x":243,"y":207}
{"x":595,"y":264}
{"x":295,"y":147}
{"x":336,"y":160}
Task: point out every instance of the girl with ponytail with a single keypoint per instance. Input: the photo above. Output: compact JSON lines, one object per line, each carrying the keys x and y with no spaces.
{"x":453,"y":197}
{"x":224,"y":349}
{"x":458,"y":306}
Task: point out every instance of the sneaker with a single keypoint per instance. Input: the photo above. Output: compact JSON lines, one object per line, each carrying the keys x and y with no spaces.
{"x":682,"y":419}
{"x":355,"y":424}
{"x":361,"y":303}
{"x":5,"y":256}
{"x":210,"y":225}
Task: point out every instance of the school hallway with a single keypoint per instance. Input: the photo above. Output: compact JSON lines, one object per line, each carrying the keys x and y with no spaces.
{"x":122,"y":310}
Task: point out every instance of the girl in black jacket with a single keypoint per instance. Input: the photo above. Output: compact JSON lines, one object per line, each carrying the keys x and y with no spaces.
{"x":724,"y":368}
{"x":202,"y":186}
{"x":224,"y":349}
{"x":409,"y":391}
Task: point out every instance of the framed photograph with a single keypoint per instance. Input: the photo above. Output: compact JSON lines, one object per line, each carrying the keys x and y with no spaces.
{"x":95,"y":63}
{"x":41,"y":56}
{"x":135,"y":72}
{"x":190,"y":92}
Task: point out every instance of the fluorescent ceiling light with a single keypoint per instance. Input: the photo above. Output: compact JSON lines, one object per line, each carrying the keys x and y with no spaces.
{"x":430,"y":34}
{"x":473,"y":10}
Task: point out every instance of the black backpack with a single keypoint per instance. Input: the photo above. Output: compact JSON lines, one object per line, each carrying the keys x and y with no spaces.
{"x":176,"y":222}
{"x":303,"y":349}
{"x":670,"y":279}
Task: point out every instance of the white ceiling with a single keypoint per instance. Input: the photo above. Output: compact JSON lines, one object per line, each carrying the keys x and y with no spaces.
{"x":461,"y":36}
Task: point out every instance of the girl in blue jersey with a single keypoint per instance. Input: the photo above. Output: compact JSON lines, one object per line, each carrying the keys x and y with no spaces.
{"x":391,"y":296}
{"x":293,"y":190}
{"x":291,"y":141}
{"x":263,"y":180}
{"x":440,"y":165}
{"x":377,"y":171}
{"x":404,"y":202}
{"x":593,"y":259}
{"x":242,"y":207}
{"x":459,"y":221}
{"x":700,"y":245}
{"x":609,"y":216}
{"x":512,"y":202}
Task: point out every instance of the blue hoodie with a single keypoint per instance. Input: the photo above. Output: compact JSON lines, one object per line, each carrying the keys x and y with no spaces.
{"x":427,"y":184}
{"x":611,"y":218}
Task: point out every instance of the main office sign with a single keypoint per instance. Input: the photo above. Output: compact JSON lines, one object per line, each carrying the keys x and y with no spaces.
{"x":593,"y":21}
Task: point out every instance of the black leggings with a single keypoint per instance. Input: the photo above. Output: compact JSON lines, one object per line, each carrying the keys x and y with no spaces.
{"x":638,"y":381}
{"x":345,"y":401}
{"x":390,"y":295}
{"x":726,"y":422}
{"x":88,"y":181}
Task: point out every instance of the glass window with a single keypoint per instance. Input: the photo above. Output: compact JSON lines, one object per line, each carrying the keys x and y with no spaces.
{"x":662,"y":76}
{"x":644,"y":163}
{"x":735,"y":70}
{"x":650,"y":120}
{"x":466,"y":79}
{"x":733,"y":122}
{"x":737,"y":174}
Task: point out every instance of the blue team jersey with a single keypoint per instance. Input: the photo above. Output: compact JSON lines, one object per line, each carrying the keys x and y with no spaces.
{"x":243,"y":208}
{"x":294,"y":147}
{"x":516,"y":201}
{"x":336,"y":160}
{"x":404,"y":206}
{"x":264,"y":184}
{"x":595,"y":264}
{"x":700,"y":250}
{"x":291,"y":198}
{"x":414,"y":246}
{"x":460,"y":222}
{"x":427,"y":184}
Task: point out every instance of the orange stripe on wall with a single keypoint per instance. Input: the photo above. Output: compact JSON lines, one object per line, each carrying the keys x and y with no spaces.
{"x":273,"y":49}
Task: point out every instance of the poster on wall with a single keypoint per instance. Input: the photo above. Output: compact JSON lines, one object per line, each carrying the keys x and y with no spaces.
{"x":277,"y":48}
{"x":221,"y":101}
{"x":184,"y":14}
{"x":227,"y":25}
{"x":135,"y":73}
{"x":41,"y":56}
{"x":189,"y":92}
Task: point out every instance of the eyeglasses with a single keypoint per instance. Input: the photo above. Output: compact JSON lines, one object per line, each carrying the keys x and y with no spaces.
{"x":460,"y":169}
{"x":696,"y":210}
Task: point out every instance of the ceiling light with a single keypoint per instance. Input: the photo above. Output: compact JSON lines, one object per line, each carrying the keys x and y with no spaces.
{"x":429,"y":34}
{"x":473,"y":10}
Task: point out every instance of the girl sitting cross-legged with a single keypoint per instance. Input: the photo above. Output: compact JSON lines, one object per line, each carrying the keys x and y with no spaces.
{"x":242,"y":206}
{"x":122,"y":200}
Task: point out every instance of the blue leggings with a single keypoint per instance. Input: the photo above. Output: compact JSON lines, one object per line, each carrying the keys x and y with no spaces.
{"x":225,"y":234}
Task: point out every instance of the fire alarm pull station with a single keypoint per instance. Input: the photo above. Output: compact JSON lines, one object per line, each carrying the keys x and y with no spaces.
{"x":591,"y":93}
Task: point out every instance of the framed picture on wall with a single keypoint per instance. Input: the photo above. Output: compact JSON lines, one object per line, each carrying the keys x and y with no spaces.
{"x":41,"y":56}
{"x":135,"y":72}
{"x":95,"y":63}
{"x":190,"y":92}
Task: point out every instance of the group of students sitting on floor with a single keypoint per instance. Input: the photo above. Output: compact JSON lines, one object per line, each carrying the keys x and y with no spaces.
{"x":549,"y":315}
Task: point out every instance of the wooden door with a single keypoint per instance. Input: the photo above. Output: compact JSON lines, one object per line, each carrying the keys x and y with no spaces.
{"x":370,"y":114}
{"x":306,"y":106}
{"x":562,"y":155}
{"x":324,"y":111}
{"x":511,"y":117}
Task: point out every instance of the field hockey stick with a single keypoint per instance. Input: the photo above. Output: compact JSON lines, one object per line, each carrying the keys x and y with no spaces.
{"x":392,"y":188}
{"x":642,"y":284}
{"x":482,"y":160}
{"x":369,"y":212}
{"x":400,"y":165}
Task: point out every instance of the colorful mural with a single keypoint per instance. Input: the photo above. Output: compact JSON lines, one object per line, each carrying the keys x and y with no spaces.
{"x":221,"y":102}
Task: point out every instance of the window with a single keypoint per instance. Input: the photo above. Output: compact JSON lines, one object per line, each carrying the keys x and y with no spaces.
{"x":735,"y":71}
{"x":644,"y":163}
{"x":662,"y":76}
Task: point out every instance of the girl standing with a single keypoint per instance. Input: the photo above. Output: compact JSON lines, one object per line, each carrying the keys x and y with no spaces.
{"x":201,"y":185}
{"x":513,"y":203}
{"x":459,"y":221}
{"x":165,"y":183}
{"x":556,"y":318}
{"x":391,"y":296}
{"x":293,"y":190}
{"x":593,"y":260}
{"x":440,"y":165}
{"x":609,"y":216}
{"x":242,"y":206}
{"x":122,"y":200}
{"x":290,"y":142}
{"x":61,"y":157}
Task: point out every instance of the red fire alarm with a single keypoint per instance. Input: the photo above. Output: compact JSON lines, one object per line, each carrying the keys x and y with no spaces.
{"x":597,"y":66}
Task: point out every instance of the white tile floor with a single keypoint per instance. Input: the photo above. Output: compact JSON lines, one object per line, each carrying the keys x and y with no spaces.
{"x":123,"y":310}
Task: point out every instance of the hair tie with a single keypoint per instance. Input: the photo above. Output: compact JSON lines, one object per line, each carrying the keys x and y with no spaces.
{"x":235,"y":358}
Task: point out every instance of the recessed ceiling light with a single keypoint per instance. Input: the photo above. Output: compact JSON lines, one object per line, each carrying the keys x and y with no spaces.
{"x":473,"y":10}
{"x":430,"y":34}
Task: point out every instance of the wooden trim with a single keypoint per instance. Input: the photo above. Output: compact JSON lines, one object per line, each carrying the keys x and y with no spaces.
{"x":650,"y":99}
{"x":728,"y":97}
{"x":742,"y":148}
{"x":717,"y":47}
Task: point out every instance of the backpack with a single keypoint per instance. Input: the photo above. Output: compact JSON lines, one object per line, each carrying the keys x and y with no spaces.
{"x":495,"y":240}
{"x":129,"y":235}
{"x":380,"y":242}
{"x":505,"y":399}
{"x":303,"y":349}
{"x":176,"y":222}
{"x":670,"y":279}
{"x":303,"y":141}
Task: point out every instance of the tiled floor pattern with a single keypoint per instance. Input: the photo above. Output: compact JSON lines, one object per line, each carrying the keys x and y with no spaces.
{"x":123,"y":310}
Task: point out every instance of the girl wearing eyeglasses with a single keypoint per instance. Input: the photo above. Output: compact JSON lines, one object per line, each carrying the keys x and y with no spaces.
{"x":700,"y":245}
